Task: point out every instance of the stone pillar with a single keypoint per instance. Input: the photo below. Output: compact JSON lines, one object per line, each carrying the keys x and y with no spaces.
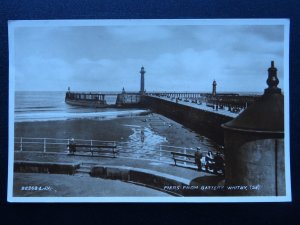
{"x":254,"y":145}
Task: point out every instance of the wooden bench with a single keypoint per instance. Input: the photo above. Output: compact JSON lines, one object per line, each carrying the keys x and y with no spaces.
{"x":103,"y":148}
{"x":176,"y":155}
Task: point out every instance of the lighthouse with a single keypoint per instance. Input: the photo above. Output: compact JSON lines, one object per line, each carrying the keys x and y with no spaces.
{"x":214,"y":90}
{"x":142,"y":72}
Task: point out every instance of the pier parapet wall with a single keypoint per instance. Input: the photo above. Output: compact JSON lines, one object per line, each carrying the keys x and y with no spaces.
{"x":127,"y":99}
{"x":205,"y":122}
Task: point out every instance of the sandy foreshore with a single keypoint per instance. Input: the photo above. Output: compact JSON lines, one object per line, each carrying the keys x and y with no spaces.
{"x":106,"y":130}
{"x":138,"y":132}
{"x":118,"y":129}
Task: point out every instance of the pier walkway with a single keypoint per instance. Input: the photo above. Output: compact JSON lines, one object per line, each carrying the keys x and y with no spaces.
{"x":203,"y":106}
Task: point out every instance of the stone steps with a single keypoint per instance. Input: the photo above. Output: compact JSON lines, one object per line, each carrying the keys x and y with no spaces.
{"x":84,"y":170}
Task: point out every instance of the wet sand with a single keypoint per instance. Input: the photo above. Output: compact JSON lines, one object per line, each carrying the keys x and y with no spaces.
{"x":137,"y":131}
{"x":120,"y":129}
{"x":106,"y":130}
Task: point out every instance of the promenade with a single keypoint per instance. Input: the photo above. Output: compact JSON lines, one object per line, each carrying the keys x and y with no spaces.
{"x":165,"y":178}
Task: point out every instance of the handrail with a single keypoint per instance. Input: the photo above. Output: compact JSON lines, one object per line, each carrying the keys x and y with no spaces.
{"x":61,"y":139}
{"x":48,"y":144}
{"x":91,"y":140}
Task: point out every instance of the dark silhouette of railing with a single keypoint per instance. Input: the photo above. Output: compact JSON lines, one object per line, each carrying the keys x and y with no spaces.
{"x":162,"y":153}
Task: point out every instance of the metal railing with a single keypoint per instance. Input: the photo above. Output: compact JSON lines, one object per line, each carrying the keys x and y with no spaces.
{"x":124,"y":149}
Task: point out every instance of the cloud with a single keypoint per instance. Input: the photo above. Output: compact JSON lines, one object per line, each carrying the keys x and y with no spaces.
{"x":42,"y":74}
{"x":175,"y":57}
{"x":139,"y":33}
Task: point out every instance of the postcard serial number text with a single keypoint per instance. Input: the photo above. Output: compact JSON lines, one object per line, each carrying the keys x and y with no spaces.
{"x":36,"y":188}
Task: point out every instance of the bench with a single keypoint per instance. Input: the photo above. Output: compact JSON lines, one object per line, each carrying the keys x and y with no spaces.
{"x":176,"y":155}
{"x":103,"y":148}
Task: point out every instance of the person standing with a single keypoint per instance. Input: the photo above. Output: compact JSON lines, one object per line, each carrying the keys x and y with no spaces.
{"x":72,"y":146}
{"x":209,"y":159}
{"x":198,"y":156}
{"x":219,"y":163}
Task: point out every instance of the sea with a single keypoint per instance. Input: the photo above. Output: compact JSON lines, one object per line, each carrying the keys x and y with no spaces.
{"x":50,"y":106}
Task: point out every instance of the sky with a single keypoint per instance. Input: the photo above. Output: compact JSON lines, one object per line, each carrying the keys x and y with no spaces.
{"x":175,"y":57}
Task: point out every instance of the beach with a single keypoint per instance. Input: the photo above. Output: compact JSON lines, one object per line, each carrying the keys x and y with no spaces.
{"x":136,"y":129}
{"x":143,"y":136}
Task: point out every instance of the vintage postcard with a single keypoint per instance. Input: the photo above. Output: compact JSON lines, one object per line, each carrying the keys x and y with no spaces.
{"x":149,"y":111}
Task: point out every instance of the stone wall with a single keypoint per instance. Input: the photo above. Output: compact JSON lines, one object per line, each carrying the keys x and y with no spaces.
{"x":45,"y":167}
{"x":255,"y":161}
{"x":204,"y":122}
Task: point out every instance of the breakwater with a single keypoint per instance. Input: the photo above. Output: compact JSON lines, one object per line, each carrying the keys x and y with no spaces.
{"x":205,"y":122}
